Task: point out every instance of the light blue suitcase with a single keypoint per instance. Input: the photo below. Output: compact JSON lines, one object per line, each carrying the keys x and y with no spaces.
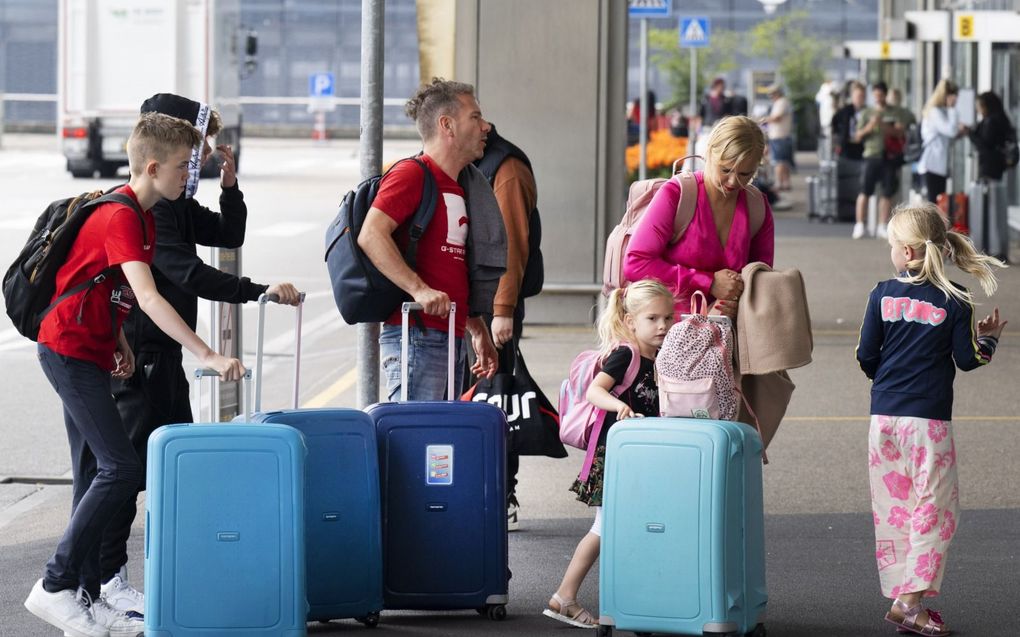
{"x":683,"y":541}
{"x":224,"y":532}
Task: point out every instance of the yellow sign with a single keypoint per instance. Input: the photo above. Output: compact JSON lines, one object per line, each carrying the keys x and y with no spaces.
{"x":965,"y":27}
{"x":885,"y":50}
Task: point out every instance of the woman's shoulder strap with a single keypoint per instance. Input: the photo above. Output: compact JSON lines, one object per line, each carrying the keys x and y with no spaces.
{"x":688,"y":204}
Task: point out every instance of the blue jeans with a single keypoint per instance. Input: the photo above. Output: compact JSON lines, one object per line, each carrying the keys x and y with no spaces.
{"x":427,"y":363}
{"x":106,"y":469}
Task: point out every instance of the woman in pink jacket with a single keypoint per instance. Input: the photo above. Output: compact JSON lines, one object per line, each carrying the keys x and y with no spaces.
{"x":719,"y":241}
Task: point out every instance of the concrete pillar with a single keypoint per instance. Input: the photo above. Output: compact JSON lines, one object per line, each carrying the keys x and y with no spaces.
{"x":552,"y":77}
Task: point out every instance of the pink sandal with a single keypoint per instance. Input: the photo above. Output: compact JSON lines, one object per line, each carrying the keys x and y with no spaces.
{"x":569,"y":612}
{"x":906,"y":620}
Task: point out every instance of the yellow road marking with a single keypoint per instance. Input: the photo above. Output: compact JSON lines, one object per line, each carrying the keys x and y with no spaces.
{"x":344,"y":383}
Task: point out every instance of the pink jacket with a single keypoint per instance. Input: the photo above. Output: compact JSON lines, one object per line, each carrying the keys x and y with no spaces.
{"x":691,"y":263}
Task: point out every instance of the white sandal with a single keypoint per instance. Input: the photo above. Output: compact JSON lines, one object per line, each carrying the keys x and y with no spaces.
{"x":559,"y":609}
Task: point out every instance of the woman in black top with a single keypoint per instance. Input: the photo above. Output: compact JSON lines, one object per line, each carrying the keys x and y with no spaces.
{"x":991,"y":231}
{"x":989,"y":135}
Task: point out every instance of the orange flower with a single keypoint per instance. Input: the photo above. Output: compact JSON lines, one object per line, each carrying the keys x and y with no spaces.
{"x":663,"y":150}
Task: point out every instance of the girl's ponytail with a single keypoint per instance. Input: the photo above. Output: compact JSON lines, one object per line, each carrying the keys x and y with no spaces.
{"x":612,"y":329}
{"x":974,"y":263}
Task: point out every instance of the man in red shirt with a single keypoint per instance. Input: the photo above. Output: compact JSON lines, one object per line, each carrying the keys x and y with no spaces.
{"x":81,"y":344}
{"x":453,"y":132}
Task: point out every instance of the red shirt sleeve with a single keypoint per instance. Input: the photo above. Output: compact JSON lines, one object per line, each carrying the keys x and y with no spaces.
{"x":400,"y":191}
{"x":125,"y":240}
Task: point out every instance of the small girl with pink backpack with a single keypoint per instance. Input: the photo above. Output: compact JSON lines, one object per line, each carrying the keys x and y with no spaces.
{"x":616,"y":382}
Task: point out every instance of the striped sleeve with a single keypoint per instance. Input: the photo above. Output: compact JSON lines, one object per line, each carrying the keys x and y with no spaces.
{"x":969,"y":350}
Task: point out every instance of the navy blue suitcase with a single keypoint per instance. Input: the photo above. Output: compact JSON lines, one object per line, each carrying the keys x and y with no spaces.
{"x":343,"y":537}
{"x":443,"y":486}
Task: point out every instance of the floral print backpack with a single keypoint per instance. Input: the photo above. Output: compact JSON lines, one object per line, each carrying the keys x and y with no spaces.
{"x":695,"y":367}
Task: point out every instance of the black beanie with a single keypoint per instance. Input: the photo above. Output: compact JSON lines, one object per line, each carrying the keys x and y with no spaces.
{"x":173,"y":105}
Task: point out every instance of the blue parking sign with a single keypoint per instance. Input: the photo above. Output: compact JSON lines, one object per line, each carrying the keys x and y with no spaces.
{"x":695,"y":32}
{"x":320,"y":85}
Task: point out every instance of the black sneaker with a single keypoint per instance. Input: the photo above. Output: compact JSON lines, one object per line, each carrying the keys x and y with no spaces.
{"x":512,"y":510}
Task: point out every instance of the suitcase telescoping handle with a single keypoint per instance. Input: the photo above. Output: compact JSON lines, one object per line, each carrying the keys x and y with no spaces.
{"x":405,"y":311}
{"x":260,"y":342}
{"x":203,"y":372}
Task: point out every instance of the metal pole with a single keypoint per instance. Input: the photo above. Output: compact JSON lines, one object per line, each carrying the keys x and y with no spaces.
{"x":643,"y":102}
{"x":370,"y":150}
{"x":693,"y":104}
{"x":692,"y":135}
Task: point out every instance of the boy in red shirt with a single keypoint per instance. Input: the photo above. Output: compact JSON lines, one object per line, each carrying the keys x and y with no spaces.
{"x":81,"y":345}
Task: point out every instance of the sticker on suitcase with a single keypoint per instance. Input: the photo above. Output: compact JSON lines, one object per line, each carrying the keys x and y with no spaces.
{"x":439,"y":461}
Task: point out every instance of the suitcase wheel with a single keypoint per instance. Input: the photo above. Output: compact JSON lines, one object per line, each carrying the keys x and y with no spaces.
{"x":605,"y":631}
{"x":496,"y":612}
{"x":759,"y":631}
{"x":370,"y":620}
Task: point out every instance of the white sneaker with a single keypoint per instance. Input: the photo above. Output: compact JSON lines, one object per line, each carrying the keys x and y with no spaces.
{"x":512,"y":511}
{"x":119,"y":623}
{"x":122,"y":596}
{"x":880,"y":232}
{"x":67,"y":610}
{"x":858,"y":230}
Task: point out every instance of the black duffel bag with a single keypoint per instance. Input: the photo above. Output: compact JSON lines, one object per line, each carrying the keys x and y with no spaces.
{"x":362,"y":293}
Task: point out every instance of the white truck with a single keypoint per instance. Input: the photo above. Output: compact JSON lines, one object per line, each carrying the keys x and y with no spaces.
{"x":113,"y":54}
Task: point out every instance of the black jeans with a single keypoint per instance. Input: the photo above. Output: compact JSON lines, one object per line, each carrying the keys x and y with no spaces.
{"x":105,"y":466}
{"x":156,"y":395}
{"x":934,"y":186}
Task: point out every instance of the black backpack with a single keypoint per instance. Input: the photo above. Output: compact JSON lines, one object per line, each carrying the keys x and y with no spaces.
{"x":362,"y":293}
{"x":497,"y":150}
{"x":31,"y":281}
{"x":914,"y":146}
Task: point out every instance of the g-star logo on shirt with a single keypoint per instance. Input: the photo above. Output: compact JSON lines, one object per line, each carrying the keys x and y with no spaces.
{"x":904,"y":308}
{"x":456,"y":224}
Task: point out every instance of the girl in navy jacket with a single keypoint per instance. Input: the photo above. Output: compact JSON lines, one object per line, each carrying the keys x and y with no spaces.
{"x":915,"y":327}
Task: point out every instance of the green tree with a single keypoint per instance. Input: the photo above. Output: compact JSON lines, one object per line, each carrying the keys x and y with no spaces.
{"x":787,"y":41}
{"x":675,"y":62}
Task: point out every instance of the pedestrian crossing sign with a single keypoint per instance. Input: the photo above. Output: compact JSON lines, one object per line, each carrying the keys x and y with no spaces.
{"x":695,"y":32}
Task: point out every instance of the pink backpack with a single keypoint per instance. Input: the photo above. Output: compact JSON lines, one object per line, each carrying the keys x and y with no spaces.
{"x":695,"y":367}
{"x":580,"y":421}
{"x":638,"y":199}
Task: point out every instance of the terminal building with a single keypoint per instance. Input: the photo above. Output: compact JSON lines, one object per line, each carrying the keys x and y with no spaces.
{"x":976,"y":44}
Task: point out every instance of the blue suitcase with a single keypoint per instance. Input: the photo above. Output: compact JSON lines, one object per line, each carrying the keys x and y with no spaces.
{"x":224,"y":532}
{"x":343,"y":537}
{"x":443,"y":480}
{"x":683,"y":540}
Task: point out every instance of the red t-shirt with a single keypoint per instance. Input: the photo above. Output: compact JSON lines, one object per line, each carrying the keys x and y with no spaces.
{"x":110,"y":236}
{"x":442,"y":250}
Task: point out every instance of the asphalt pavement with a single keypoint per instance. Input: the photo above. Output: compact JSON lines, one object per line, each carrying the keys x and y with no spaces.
{"x":821,"y":568}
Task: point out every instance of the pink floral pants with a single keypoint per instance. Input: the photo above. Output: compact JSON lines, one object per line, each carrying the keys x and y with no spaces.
{"x":914,"y":499}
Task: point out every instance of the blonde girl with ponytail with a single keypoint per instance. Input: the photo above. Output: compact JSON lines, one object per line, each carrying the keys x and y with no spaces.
{"x":635,"y":321}
{"x":916,"y":326}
